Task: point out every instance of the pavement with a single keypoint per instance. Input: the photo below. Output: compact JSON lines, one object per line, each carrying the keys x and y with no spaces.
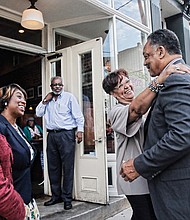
{"x":118,"y":208}
{"x":126,"y":214}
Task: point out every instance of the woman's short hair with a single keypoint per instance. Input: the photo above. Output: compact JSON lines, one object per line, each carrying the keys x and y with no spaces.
{"x":6,"y":93}
{"x":112,"y":80}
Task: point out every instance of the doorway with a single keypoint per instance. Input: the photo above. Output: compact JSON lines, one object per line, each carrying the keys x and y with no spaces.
{"x":81,"y":67}
{"x":25,"y":70}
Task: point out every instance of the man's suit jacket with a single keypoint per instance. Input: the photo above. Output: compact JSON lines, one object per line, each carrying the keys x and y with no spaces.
{"x":166,"y":160}
{"x":21,"y":156}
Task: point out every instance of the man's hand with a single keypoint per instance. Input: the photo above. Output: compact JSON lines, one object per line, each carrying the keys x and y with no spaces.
{"x":128,"y":171}
{"x":79,"y":137}
{"x":48,"y":98}
{"x":174,"y":68}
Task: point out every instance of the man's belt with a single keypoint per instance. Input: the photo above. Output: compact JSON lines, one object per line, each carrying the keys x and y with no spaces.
{"x":56,"y":131}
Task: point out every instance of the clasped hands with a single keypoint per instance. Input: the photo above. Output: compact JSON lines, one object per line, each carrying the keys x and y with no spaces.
{"x":128,"y":171}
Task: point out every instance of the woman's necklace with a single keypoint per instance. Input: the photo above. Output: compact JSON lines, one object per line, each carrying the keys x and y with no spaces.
{"x":15,"y":126}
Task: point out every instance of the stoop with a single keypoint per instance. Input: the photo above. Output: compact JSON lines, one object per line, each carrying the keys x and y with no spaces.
{"x":82,"y":210}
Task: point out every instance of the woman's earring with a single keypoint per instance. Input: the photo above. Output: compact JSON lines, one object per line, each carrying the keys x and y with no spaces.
{"x":5,"y":103}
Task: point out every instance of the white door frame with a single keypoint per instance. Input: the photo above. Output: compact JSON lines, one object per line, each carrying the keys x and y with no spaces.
{"x":90,"y":182}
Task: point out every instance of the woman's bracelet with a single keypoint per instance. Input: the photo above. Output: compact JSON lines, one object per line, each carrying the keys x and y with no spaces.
{"x":154,"y":86}
{"x":160,"y":86}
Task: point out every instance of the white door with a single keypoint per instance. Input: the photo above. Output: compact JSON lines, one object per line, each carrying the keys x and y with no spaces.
{"x":81,"y":67}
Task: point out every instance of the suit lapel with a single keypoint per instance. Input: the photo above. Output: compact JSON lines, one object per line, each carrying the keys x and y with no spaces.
{"x":15,"y":134}
{"x":148,"y":118}
{"x":153,"y":103}
{"x":18,"y":137}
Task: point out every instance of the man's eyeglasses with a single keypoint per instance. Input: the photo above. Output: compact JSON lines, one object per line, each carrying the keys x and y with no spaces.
{"x":121,"y":85}
{"x":57,"y":84}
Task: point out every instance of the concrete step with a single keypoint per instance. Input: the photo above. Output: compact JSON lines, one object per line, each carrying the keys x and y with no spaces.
{"x":82,"y":210}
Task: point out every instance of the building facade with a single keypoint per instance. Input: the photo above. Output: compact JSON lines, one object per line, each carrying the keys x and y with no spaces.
{"x":82,"y":41}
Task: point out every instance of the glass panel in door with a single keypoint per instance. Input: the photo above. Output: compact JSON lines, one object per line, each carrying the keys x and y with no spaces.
{"x":87,"y":97}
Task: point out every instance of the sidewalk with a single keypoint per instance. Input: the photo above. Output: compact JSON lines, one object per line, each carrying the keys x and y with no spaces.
{"x":124,"y":215}
{"x":86,"y":210}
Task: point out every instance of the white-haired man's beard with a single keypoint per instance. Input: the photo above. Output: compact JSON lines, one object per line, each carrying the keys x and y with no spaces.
{"x":56,"y":93}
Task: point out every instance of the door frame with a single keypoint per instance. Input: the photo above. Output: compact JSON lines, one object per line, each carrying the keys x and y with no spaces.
{"x":70,"y":71}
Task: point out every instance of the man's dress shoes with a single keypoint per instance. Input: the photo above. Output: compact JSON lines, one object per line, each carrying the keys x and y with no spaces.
{"x":67,"y":205}
{"x":53,"y":202}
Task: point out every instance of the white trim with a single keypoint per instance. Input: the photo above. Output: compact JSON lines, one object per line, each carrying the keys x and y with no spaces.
{"x":10,"y":14}
{"x":148,"y":14}
{"x":77,"y":20}
{"x":50,"y":39}
{"x":115,"y":43}
{"x":71,"y":34}
{"x":21,"y":46}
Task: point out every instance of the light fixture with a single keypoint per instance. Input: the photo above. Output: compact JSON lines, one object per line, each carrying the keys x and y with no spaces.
{"x":32,"y":18}
{"x":21,"y":31}
{"x":30,"y":108}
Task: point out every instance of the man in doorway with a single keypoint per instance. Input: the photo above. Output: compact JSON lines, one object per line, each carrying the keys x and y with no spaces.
{"x":165,"y":162}
{"x":65,"y":126}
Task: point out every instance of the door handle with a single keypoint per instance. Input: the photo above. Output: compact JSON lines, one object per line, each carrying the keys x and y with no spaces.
{"x":99,"y":140}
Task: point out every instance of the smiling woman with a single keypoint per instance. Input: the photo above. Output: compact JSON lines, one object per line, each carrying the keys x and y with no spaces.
{"x":12,"y":106}
{"x":127,"y":122}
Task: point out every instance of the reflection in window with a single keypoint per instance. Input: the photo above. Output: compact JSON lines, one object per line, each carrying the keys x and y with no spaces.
{"x":110,"y":176}
{"x":56,"y":68}
{"x":132,"y":8}
{"x":108,"y":53}
{"x":87,"y":93}
{"x":105,"y":1}
{"x":110,"y":138}
{"x":135,"y":9}
{"x":130,"y":43}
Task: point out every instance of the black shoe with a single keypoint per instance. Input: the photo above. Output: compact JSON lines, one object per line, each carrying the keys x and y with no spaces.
{"x":67,"y":205}
{"x":53,"y":202}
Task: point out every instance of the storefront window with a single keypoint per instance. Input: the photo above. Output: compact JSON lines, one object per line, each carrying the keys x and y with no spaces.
{"x":104,"y":1}
{"x":107,"y":2}
{"x":63,"y":41}
{"x":132,"y":8}
{"x":56,"y":68}
{"x":130,"y":43}
{"x":108,"y":60}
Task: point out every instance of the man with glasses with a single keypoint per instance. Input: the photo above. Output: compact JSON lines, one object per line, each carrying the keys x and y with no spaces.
{"x":65,"y":125}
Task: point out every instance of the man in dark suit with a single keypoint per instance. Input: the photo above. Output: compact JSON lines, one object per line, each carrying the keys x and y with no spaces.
{"x":165,"y":162}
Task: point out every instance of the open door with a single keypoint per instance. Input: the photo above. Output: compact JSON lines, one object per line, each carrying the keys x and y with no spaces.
{"x":81,"y":67}
{"x":91,"y":158}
